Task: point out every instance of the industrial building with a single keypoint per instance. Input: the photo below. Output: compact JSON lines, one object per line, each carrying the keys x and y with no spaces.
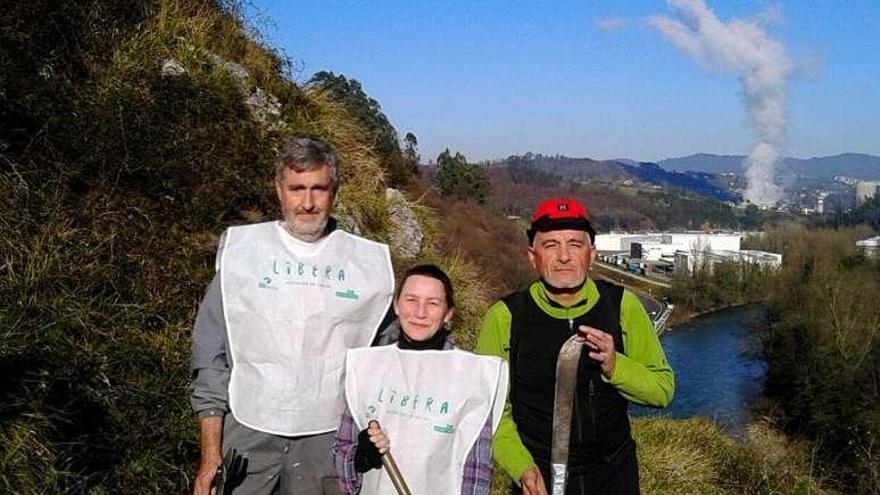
{"x":665,"y":253}
{"x":870,"y":246}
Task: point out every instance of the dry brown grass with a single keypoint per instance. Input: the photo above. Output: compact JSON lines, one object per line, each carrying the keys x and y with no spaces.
{"x":679,"y":457}
{"x":694,"y":456}
{"x":362,"y":176}
{"x":493,"y":243}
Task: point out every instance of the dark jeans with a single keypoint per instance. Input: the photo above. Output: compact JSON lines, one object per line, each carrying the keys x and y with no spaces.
{"x":617,"y":476}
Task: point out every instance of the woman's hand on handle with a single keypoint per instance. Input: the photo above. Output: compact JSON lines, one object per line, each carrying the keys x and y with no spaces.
{"x":378,"y":437}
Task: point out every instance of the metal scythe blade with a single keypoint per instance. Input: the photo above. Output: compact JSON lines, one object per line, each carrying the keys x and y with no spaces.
{"x":566,"y":380}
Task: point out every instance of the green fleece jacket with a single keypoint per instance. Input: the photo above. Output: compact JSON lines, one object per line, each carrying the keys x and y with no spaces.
{"x":642,"y":375}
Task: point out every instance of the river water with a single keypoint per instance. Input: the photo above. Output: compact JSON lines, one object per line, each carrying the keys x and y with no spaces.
{"x":717,"y":372}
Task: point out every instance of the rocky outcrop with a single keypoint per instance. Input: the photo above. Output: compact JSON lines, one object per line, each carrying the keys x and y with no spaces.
{"x":264,"y":106}
{"x":405,"y":235}
{"x":172,"y":68}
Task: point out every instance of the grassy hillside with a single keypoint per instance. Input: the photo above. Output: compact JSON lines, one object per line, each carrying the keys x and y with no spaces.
{"x":132,"y":134}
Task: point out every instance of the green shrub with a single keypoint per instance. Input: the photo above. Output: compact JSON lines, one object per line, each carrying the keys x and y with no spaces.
{"x":459,"y":179}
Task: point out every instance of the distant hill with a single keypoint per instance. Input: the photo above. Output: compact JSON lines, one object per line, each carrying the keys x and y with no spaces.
{"x":703,"y":162}
{"x":618,"y":206}
{"x":855,"y":165}
{"x":586,"y":170}
{"x":696,"y":182}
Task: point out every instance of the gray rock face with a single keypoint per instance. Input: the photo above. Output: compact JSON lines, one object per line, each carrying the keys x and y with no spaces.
{"x":172,"y":68}
{"x":236,"y":70}
{"x":265,"y":106}
{"x":406,"y":234}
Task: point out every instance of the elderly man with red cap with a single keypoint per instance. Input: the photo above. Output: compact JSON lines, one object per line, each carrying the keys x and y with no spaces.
{"x":579,"y":352}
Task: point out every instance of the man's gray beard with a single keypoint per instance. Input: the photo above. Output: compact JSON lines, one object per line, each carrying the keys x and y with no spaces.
{"x":566,"y":287}
{"x":307,"y":233}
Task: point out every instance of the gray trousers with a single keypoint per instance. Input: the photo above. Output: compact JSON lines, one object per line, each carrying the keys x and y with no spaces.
{"x":295,"y":465}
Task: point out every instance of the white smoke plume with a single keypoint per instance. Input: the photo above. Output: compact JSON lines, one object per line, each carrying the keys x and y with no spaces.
{"x":762,"y":64}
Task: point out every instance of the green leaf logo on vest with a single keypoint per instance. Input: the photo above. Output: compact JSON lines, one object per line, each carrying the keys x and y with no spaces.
{"x":448,"y":428}
{"x":266,"y":283}
{"x":347,"y":294}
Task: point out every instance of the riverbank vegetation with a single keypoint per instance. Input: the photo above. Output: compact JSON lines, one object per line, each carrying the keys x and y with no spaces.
{"x":684,"y":457}
{"x":822,"y":347}
{"x":711,"y":287}
{"x":821,"y":342}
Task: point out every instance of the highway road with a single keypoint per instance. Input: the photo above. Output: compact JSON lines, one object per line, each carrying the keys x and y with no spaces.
{"x":658,"y":310}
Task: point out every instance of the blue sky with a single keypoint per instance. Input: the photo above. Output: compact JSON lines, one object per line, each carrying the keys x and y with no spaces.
{"x":495,"y":78}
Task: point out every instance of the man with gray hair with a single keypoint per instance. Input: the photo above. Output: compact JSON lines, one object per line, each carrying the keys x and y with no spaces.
{"x":288,"y":299}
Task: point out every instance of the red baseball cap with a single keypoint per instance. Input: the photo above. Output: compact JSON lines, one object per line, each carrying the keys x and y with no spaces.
{"x":560,"y":214}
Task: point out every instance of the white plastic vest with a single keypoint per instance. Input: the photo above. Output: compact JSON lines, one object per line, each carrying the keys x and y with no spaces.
{"x":432,"y":405}
{"x":292,"y":309}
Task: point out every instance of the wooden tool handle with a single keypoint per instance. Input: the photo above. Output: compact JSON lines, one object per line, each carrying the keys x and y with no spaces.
{"x":393,"y":471}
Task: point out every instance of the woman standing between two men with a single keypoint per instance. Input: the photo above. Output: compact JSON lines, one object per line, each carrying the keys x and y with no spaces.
{"x":439,"y":405}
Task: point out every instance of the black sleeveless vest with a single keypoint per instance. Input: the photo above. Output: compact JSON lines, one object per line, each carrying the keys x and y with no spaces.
{"x":600,"y":425}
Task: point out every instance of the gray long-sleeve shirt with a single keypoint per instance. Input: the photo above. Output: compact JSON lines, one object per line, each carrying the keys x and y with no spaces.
{"x":210,"y":366}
